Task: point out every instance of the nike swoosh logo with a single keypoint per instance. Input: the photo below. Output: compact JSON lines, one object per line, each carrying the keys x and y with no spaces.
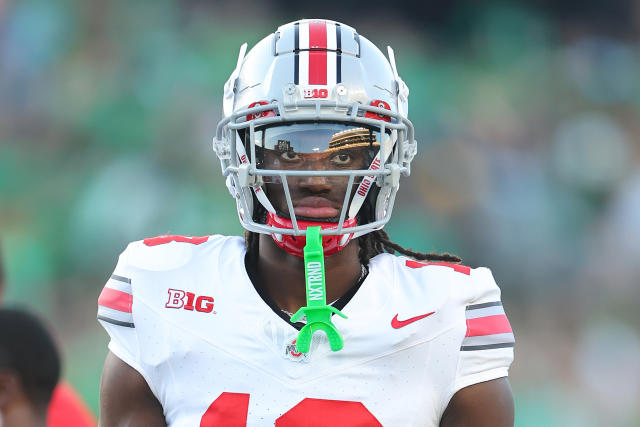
{"x":397,"y":324}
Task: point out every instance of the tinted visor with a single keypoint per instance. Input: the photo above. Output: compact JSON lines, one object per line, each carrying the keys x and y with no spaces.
{"x":316,"y":147}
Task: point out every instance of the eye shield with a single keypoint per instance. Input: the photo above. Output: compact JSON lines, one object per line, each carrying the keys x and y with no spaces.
{"x":315,"y":147}
{"x":352,"y":154}
{"x":316,"y":137}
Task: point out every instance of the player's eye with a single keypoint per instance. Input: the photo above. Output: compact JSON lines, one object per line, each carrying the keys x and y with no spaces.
{"x":342,"y":159}
{"x":290,"y":156}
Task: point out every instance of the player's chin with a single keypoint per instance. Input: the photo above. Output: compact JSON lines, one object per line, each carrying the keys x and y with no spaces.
{"x":332,"y":219}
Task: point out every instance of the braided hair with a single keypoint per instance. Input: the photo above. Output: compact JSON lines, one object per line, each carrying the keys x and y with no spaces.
{"x":371,"y":244}
{"x":378,"y":242}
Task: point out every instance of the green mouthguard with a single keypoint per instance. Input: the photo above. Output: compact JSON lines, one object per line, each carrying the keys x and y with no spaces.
{"x":317,"y":312}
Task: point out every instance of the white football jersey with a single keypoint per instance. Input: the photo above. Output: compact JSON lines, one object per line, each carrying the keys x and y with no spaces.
{"x":183,"y":312}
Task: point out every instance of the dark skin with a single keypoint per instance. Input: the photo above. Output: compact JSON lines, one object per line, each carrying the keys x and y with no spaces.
{"x":282,"y":273}
{"x":486,"y":404}
{"x":15,"y":407}
{"x":125,"y":397}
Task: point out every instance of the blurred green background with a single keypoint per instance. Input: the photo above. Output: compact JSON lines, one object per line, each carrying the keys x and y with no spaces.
{"x":528,"y":119}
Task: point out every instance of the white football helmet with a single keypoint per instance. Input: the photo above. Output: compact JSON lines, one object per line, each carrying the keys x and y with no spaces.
{"x":292,"y":106}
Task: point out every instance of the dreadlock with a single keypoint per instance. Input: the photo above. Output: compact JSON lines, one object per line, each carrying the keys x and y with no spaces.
{"x":371,"y":244}
{"x":378,"y":242}
{"x":252,"y":242}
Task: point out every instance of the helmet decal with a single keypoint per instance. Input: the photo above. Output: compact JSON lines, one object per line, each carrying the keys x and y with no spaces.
{"x":380,"y":104}
{"x":268,"y":113}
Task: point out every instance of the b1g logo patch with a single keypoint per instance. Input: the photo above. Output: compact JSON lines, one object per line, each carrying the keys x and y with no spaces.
{"x":189,"y":301}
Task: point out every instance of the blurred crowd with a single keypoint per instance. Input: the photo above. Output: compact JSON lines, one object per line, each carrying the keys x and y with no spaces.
{"x":528,"y":123}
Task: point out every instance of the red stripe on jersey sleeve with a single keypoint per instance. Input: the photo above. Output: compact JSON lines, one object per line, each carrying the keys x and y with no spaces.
{"x":318,"y":58}
{"x":116,"y":300}
{"x":488,"y":325}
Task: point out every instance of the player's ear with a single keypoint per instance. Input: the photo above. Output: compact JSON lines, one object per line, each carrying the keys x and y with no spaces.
{"x":9,"y":388}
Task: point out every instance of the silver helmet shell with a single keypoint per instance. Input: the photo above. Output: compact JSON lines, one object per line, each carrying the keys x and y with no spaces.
{"x":315,"y":71}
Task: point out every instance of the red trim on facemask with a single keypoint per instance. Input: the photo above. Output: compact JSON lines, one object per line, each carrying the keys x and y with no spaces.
{"x":295,"y":244}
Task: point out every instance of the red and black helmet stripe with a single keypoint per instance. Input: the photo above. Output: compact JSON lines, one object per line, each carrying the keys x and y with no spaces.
{"x":318,"y":49}
{"x":317,"y":53}
{"x":338,"y":54}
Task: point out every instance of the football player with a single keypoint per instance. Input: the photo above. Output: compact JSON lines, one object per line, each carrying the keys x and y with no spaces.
{"x":218,"y":330}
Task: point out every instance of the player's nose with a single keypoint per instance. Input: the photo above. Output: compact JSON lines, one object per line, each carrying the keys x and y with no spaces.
{"x":315,"y":184}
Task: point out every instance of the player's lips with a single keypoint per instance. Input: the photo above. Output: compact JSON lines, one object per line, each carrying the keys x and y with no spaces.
{"x":315,"y":207}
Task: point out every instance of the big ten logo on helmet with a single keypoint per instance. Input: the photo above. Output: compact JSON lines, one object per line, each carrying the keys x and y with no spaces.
{"x":189,"y":301}
{"x":315,"y":93}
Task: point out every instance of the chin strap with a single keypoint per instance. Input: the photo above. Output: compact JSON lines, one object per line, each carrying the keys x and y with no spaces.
{"x":386,"y":147}
{"x":295,"y":244}
{"x":257,"y":190}
{"x":317,"y":312}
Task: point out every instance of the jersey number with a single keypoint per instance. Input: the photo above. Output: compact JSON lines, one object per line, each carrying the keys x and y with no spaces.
{"x":231,"y":409}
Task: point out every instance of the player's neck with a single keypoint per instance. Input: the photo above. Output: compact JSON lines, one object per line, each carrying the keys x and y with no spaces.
{"x":282,"y":274}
